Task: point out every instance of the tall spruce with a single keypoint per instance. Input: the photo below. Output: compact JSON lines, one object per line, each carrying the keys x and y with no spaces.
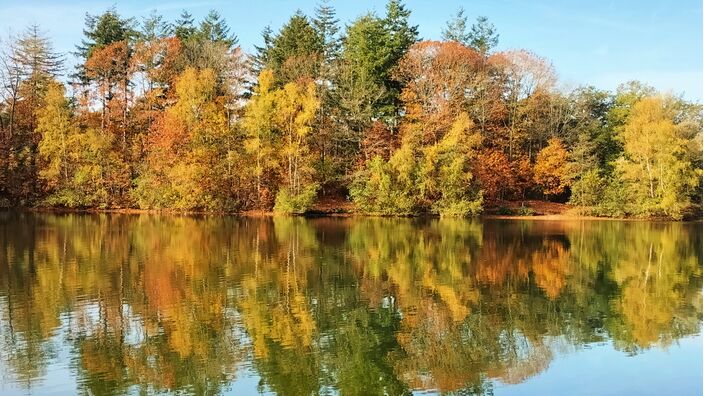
{"x":184,"y":27}
{"x":214,"y":29}
{"x":483,"y":36}
{"x":326,"y":24}
{"x":456,"y":29}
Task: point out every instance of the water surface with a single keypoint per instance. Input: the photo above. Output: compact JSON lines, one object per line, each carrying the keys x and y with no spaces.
{"x":117,"y":304}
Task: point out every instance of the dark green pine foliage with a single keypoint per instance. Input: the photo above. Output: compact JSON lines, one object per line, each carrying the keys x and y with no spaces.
{"x":103,"y":30}
{"x":295,"y":51}
{"x":326,"y":24}
{"x":372,"y":47}
{"x":260,"y":59}
{"x":483,"y":36}
{"x":184,"y":27}
{"x":456,"y":29}
{"x":400,"y":35}
{"x":361,"y":94}
{"x":214,"y":28}
{"x":154,"y":27}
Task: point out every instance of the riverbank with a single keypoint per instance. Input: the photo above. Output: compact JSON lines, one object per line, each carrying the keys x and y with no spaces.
{"x":509,"y":210}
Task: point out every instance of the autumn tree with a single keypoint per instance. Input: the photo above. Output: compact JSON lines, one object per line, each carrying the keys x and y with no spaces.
{"x":261,"y":137}
{"x":28,"y":67}
{"x":186,"y":165}
{"x":78,"y":167}
{"x":445,"y":175}
{"x":437,"y":78}
{"x":658,"y":177}
{"x":58,"y":131}
{"x":296,"y":106}
{"x":494,"y":174}
{"x":100,"y":31}
{"x":526,"y":78}
{"x":552,"y":168}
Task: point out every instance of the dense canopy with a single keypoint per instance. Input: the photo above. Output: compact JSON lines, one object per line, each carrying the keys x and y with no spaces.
{"x":174,"y":115}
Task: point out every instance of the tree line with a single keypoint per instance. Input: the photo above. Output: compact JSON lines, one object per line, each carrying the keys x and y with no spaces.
{"x":174,"y":115}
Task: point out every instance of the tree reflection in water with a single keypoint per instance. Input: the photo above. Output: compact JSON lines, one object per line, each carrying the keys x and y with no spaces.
{"x":359,"y":306}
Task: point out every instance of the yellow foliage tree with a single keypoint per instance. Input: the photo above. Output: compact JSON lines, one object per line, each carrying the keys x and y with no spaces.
{"x":57,"y":129}
{"x":187,"y":151}
{"x":296,"y":105}
{"x":655,"y":169}
{"x":260,"y":134}
{"x":551,"y":171}
{"x":79,"y":168}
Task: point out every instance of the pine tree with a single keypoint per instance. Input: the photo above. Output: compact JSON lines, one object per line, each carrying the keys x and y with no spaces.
{"x":483,"y":36}
{"x":260,"y":59}
{"x":30,"y":66}
{"x":154,"y":27}
{"x":401,"y":34}
{"x":35,"y":55}
{"x":103,"y":30}
{"x":360,"y":88}
{"x":399,"y":37}
{"x":456,"y":29}
{"x":295,"y":51}
{"x":184,"y":28}
{"x":327,"y":27}
{"x":214,"y":28}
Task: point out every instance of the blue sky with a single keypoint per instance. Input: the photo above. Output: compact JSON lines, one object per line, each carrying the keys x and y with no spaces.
{"x":601,"y":43}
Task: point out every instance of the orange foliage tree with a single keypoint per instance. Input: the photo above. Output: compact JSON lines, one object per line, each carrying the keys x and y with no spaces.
{"x":552,"y":168}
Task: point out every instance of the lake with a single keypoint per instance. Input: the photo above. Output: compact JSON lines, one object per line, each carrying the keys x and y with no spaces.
{"x":135,"y":304}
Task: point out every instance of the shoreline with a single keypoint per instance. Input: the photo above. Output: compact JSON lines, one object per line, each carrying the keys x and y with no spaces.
{"x":333,"y":214}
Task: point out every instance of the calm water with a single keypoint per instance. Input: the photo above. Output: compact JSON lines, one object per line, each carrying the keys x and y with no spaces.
{"x":146,"y":304}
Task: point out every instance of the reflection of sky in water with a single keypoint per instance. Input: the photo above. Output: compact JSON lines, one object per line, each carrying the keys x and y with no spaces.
{"x":596,"y":369}
{"x":602,"y":370}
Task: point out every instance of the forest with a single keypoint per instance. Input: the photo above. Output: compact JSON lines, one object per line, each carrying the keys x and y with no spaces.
{"x":173,"y":115}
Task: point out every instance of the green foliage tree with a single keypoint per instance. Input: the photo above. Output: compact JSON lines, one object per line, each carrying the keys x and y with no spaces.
{"x":327,"y":26}
{"x":445,"y":173}
{"x":100,"y":31}
{"x":385,"y":188}
{"x":295,"y":52}
{"x":154,"y":27}
{"x":214,"y":29}
{"x":456,"y":29}
{"x":482,"y":35}
{"x":654,"y":167}
{"x":184,"y":27}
